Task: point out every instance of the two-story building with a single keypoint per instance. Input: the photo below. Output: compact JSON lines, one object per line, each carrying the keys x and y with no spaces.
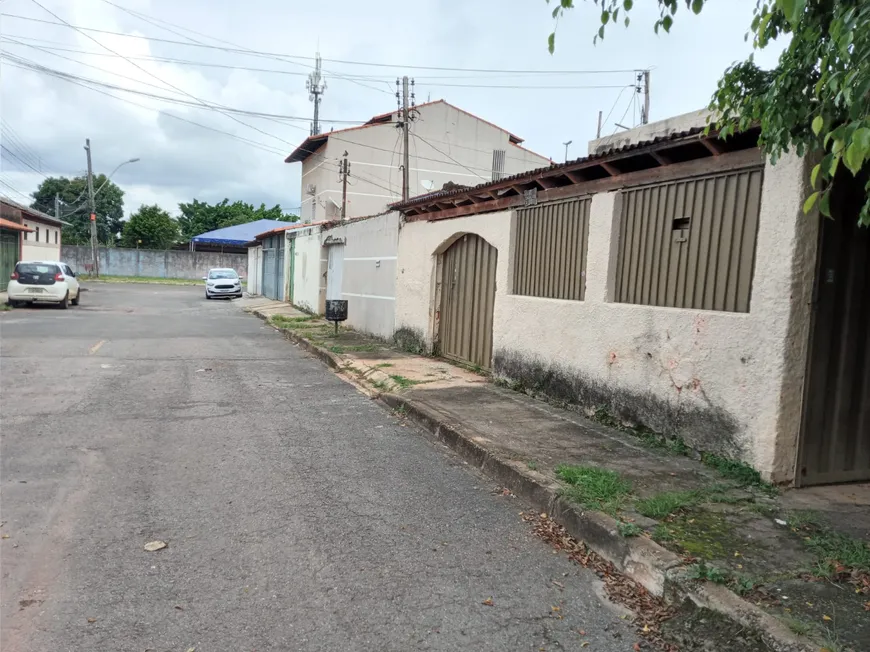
{"x":447,"y":146}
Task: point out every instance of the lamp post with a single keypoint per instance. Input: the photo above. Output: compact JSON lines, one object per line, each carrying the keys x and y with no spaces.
{"x":566,"y":149}
{"x":132,"y":160}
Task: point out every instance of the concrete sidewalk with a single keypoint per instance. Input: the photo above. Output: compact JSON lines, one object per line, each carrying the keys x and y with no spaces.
{"x":674,"y":521}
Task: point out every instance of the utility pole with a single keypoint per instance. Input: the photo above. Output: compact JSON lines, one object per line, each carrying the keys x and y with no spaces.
{"x":92,"y":206}
{"x":406,"y":128}
{"x":57,"y":206}
{"x":316,"y":87}
{"x":345,"y":171}
{"x":645,"y":116}
{"x":598,"y":133}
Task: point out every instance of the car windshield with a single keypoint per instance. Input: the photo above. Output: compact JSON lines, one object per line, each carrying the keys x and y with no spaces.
{"x":222,"y":273}
{"x":35,"y":269}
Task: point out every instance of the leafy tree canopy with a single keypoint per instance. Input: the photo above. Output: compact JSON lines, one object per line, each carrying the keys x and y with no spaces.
{"x":74,"y":208}
{"x":816,"y":99}
{"x":150,"y":227}
{"x":200,"y":217}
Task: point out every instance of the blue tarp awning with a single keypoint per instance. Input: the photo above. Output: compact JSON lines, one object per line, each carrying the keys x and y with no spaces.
{"x":239,"y":234}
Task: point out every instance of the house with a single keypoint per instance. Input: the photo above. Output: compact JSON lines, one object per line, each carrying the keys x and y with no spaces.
{"x":274,"y":260}
{"x":447,"y":146}
{"x":26,"y":234}
{"x":670,"y":280}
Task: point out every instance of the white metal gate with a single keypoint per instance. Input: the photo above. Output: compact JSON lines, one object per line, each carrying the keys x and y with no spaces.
{"x":335,"y":269}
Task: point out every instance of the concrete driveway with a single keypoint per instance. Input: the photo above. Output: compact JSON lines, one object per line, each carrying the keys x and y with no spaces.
{"x":299,"y":514}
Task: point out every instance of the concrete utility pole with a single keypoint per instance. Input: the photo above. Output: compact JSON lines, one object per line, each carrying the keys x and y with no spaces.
{"x":345,"y":171}
{"x":57,"y":205}
{"x":598,"y":133}
{"x":92,"y":206}
{"x":406,"y":128}
{"x":645,"y":117}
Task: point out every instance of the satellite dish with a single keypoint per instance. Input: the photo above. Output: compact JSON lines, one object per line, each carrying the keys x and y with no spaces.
{"x":427,"y":184}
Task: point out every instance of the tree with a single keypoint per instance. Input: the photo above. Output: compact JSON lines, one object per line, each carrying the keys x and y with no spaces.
{"x":817,"y":98}
{"x":74,"y":209}
{"x":200,"y":217}
{"x":150,"y":227}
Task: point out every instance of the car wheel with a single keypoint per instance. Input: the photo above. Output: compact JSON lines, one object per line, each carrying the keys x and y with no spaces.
{"x":75,"y":301}
{"x":207,"y":295}
{"x":65,"y":303}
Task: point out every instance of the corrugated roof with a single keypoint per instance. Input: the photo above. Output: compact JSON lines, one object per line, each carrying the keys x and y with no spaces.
{"x":239,"y":234}
{"x":15,"y":226}
{"x":39,"y":215}
{"x":440,"y":194}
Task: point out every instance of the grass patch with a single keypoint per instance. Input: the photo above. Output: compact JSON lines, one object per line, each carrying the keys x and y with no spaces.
{"x":380,"y":384}
{"x":142,"y":279}
{"x":405,"y":383}
{"x":593,"y":487}
{"x":704,"y":571}
{"x":629,"y":529}
{"x":291,"y":322}
{"x":383,"y":365}
{"x":666,"y":503}
{"x":662,"y":533}
{"x":739,"y":472}
{"x":834,"y":549}
{"x":4,"y":307}
{"x":532,"y":464}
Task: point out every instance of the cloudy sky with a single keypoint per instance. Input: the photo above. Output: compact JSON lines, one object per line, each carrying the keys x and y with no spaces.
{"x":189,"y":151}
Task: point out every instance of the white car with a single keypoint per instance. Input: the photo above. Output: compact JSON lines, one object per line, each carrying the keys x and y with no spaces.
{"x":43,"y":281}
{"x":222,"y":282}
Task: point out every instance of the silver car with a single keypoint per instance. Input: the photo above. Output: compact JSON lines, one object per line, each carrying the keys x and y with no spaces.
{"x":222,"y":282}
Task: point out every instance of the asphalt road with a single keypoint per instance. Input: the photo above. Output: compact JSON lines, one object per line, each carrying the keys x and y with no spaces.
{"x":300,"y":515}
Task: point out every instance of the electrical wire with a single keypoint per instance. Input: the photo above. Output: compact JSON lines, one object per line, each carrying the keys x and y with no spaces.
{"x":150,"y":74}
{"x":16,"y":190}
{"x":16,"y":141}
{"x":449,"y":157}
{"x":308,"y":58}
{"x":12,"y":154}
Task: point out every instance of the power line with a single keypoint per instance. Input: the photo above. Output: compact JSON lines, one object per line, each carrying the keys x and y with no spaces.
{"x":16,"y":190}
{"x":18,"y":142}
{"x":449,"y":157}
{"x":151,"y":20}
{"x":341,"y":61}
{"x":147,"y":72}
{"x":12,"y":154}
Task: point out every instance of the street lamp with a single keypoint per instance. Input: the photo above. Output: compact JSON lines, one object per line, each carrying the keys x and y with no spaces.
{"x":566,"y":149}
{"x":132,"y":160}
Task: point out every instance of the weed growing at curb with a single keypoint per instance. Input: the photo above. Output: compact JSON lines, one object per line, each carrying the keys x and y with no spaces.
{"x":400,"y":410}
{"x":383,"y":365}
{"x":405,"y":383}
{"x":703,"y":571}
{"x":666,"y":503}
{"x":629,"y":529}
{"x":594,"y":488}
{"x":532,"y":464}
{"x":798,"y":626}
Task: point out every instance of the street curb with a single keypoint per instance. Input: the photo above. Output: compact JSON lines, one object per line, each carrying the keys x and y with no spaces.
{"x":657,"y":569}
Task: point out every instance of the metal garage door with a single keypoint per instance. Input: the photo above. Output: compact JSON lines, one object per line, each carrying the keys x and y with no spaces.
{"x":836,"y":432}
{"x":269,"y":260}
{"x":467,"y":300}
{"x":8,"y":256}
{"x":273,"y":267}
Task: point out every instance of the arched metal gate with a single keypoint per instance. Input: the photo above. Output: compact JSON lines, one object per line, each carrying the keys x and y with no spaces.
{"x":467,"y":300}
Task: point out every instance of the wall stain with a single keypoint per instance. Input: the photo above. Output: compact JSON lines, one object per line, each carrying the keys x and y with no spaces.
{"x":703,"y":427}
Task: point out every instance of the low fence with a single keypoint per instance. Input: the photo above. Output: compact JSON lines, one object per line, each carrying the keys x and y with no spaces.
{"x":152,"y":263}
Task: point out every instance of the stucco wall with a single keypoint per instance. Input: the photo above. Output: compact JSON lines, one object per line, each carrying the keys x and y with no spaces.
{"x":725,"y":382}
{"x":309,"y":267}
{"x":369,"y":274}
{"x":148,"y":262}
{"x":38,"y":249}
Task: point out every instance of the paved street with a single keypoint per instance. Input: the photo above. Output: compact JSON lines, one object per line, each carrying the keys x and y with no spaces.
{"x":300,"y":515}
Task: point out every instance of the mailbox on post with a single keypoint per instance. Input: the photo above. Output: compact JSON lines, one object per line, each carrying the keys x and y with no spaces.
{"x":336,"y":311}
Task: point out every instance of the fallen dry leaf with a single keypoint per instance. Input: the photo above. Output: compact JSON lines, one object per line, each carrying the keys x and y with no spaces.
{"x":559,"y":584}
{"x":556,"y":608}
{"x":92,"y":620}
{"x":584,"y":644}
{"x":582,"y":632}
{"x":488,"y":602}
{"x":636,"y":647}
{"x":5,"y":536}
{"x":826,"y":617}
{"x":154,"y":546}
{"x":179,"y":607}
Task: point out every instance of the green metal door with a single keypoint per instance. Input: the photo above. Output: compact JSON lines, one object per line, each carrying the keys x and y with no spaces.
{"x":8,"y":256}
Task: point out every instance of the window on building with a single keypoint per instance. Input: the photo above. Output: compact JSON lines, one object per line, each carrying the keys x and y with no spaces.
{"x":498,"y":156}
{"x":690,"y":243}
{"x":550,"y":250}
{"x":56,"y":235}
{"x":47,"y":230}
{"x":37,"y":234}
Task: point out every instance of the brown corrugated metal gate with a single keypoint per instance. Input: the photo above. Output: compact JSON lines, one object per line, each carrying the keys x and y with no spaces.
{"x":836,"y":430}
{"x":467,"y":300}
{"x":690,"y":243}
{"x":551,"y":243}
